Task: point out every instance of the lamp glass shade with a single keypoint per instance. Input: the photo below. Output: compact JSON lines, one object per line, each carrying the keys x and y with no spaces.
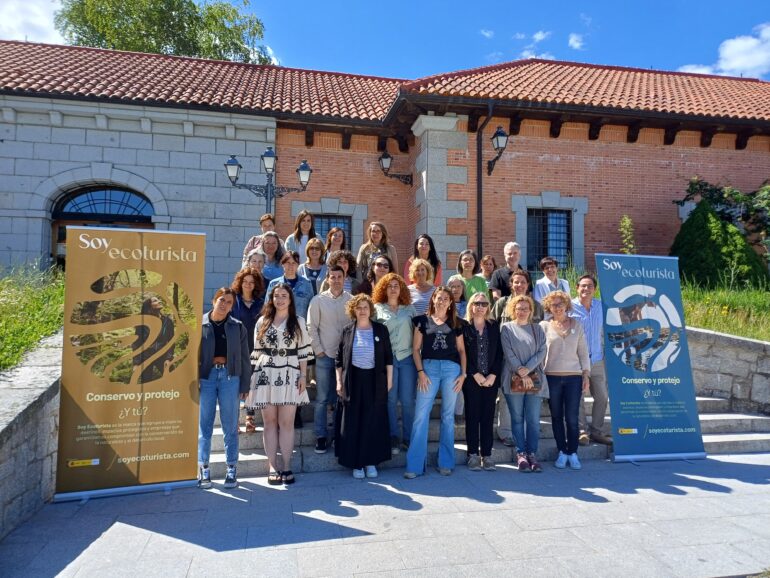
{"x":303,"y":172}
{"x":385,"y":160}
{"x":233,"y":168}
{"x":268,"y":160}
{"x":499,"y":139}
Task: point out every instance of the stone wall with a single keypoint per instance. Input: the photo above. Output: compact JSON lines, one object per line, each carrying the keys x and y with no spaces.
{"x":29,"y":422}
{"x":732,"y":368}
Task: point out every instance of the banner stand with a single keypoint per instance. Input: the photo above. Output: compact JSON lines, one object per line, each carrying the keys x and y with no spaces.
{"x":124,"y":491}
{"x":656,"y":457}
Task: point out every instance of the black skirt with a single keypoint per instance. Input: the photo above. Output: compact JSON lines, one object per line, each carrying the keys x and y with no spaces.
{"x":363,"y":436}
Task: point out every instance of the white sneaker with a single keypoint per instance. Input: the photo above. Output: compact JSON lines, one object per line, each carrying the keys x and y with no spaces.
{"x":574,"y":462}
{"x":561,"y":461}
{"x":371,"y":472}
{"x":359,"y":474}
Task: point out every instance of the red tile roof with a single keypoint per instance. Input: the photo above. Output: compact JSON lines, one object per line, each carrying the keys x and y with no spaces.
{"x":68,"y":71}
{"x":633,"y":89}
{"x":76,"y":72}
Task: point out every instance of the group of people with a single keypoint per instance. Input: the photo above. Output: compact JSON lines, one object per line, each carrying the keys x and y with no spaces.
{"x":377,"y":342}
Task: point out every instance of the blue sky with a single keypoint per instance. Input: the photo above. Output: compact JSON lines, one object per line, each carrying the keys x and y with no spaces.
{"x":410,"y":39}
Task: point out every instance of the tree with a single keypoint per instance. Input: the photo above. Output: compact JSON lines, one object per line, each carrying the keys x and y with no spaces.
{"x":713,"y":252}
{"x":218,"y":30}
{"x":627,"y":237}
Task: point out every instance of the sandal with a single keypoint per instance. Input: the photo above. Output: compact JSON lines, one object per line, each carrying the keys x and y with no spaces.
{"x":275,"y":478}
{"x":251,"y":424}
{"x":288,"y":477}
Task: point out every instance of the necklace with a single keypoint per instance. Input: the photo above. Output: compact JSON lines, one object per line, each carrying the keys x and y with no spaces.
{"x":218,"y":323}
{"x":561,"y":330}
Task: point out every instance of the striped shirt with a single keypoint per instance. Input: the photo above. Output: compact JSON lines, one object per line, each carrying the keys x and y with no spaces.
{"x":591,"y":320}
{"x":363,"y":348}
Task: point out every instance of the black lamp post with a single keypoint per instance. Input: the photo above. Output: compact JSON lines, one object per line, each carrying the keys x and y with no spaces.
{"x":499,"y":142}
{"x":268,"y":191}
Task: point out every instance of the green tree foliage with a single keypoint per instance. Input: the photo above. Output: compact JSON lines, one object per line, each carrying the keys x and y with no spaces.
{"x":627,"y":237}
{"x":218,"y":30}
{"x":713,"y":252}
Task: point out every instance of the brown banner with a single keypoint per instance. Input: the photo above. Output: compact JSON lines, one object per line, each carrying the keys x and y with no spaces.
{"x":129,"y":387}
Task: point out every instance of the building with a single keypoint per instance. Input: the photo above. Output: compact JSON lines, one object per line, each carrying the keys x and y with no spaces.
{"x":100,"y":136}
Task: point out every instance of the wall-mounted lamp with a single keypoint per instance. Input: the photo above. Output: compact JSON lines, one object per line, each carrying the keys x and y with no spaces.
{"x":499,"y":142}
{"x":385,"y":161}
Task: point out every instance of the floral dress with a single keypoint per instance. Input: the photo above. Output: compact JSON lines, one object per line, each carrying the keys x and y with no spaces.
{"x":276,"y":358}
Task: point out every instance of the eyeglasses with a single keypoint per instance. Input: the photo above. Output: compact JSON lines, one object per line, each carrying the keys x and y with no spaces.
{"x":380,"y":264}
{"x":314,"y":249}
{"x":558,"y":305}
{"x":480,"y":304}
{"x":524,"y":309}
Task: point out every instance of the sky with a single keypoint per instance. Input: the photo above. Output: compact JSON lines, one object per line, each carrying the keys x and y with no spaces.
{"x":409,"y":39}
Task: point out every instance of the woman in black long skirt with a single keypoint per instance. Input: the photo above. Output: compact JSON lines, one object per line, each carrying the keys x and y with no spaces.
{"x":364,"y":377}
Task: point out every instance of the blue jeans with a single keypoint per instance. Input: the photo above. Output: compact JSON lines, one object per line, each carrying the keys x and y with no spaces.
{"x":326,"y":393}
{"x":222,"y":388}
{"x":565,"y":393}
{"x":404,"y":386}
{"x":525,"y":411}
{"x":442,"y":375}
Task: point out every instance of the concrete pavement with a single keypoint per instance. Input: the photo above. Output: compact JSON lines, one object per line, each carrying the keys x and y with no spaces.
{"x":703,"y":518}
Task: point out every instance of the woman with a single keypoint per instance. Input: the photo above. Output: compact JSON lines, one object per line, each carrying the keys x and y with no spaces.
{"x":300,"y":287}
{"x":335,"y":240}
{"x":457,"y":287}
{"x":488,"y":266}
{"x":314,"y":269}
{"x":567,"y":368}
{"x":266,"y":223}
{"x":255,"y":260}
{"x":422,"y":289}
{"x":524,"y":350}
{"x":439,"y":355}
{"x":364,"y":378}
{"x":157,"y":368}
{"x":272,"y":252}
{"x":281,"y":352}
{"x":392,"y":308}
{"x":347,"y":262}
{"x":381,"y":266}
{"x":249,"y":288}
{"x":224,"y":361}
{"x":304,"y":230}
{"x":481,"y":338}
{"x":467,"y":268}
{"x":520,"y":285}
{"x":376,"y":244}
{"x":550,"y":280}
{"x":425,"y":249}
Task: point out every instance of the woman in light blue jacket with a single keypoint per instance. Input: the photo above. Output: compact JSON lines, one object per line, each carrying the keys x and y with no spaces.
{"x":301,"y":288}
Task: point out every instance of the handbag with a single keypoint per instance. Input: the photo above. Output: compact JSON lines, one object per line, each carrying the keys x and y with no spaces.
{"x":517,"y":383}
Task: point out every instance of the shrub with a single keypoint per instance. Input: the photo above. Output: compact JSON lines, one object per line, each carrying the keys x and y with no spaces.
{"x":713,"y":252}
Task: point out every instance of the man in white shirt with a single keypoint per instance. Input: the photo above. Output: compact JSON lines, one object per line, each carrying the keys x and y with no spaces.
{"x":326,"y":318}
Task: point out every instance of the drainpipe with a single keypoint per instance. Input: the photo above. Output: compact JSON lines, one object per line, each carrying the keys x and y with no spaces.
{"x":479,"y":184}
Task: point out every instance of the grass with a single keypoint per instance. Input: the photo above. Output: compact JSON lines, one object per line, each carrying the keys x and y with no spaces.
{"x":31,"y":307}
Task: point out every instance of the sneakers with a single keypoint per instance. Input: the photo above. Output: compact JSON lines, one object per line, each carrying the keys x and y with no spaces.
{"x":204,"y":478}
{"x":561,"y":461}
{"x":574,"y":462}
{"x":508,"y":442}
{"x":410,"y":475}
{"x":474,"y":463}
{"x":444,"y":471}
{"x":320,"y":446}
{"x":231,"y":480}
{"x":534,"y":464}
{"x":523,"y":463}
{"x":488,"y":464}
{"x":359,"y":474}
{"x":583,"y":438}
{"x":395,"y":446}
{"x":371,"y":472}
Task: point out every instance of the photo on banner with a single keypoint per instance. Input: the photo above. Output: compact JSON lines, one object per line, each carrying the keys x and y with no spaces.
{"x":649,"y":375}
{"x":129,"y":386}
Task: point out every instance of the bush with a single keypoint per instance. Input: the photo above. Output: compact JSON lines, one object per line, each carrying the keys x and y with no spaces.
{"x":714,"y":253}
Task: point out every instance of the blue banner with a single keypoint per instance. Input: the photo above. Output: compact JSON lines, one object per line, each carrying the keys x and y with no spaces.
{"x":652,"y":396}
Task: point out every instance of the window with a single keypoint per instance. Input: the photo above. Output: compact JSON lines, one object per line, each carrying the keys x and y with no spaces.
{"x":323,"y":223}
{"x":549,"y":232}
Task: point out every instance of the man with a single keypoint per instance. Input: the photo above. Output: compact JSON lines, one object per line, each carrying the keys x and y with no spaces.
{"x":500,"y":284}
{"x":588,"y":310}
{"x":326,"y":318}
{"x":266,"y":223}
{"x":550,"y":281}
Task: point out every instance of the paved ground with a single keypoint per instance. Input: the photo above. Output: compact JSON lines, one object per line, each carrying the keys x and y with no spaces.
{"x":705,"y":518}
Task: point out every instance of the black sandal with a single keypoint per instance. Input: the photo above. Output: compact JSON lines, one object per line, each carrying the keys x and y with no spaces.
{"x":275,"y":478}
{"x":288,"y":477}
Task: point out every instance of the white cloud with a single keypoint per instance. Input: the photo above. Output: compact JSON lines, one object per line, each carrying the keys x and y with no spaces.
{"x":519,"y":36}
{"x":540,"y":35}
{"x":494,"y":57}
{"x":487,"y":33}
{"x":30,"y":20}
{"x":740,"y":56}
{"x":575,"y":41}
{"x":273,"y":58}
{"x":532,"y":54}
